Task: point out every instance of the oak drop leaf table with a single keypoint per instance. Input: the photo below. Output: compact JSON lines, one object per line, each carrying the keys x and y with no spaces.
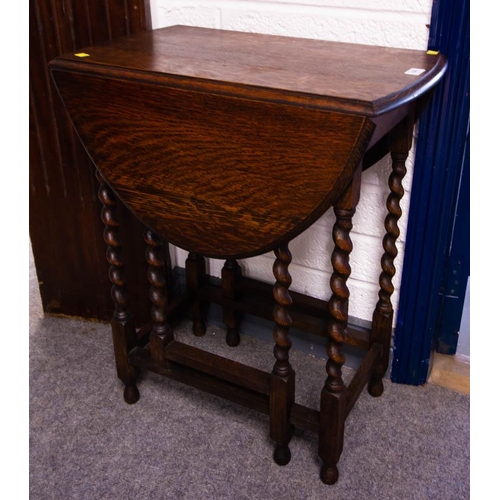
{"x":229,"y":145}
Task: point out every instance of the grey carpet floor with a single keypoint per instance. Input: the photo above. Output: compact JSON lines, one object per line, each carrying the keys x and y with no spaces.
{"x":181,"y":443}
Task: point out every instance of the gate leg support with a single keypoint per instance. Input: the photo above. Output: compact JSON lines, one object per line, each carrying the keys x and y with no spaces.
{"x":383,"y":314}
{"x":282,"y":383}
{"x":195,"y":277}
{"x":334,"y":393}
{"x":230,"y":273}
{"x":161,"y":334}
{"x":122,"y":324}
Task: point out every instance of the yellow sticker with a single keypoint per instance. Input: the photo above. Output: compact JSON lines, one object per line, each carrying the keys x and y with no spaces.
{"x":82,"y":54}
{"x":433,"y":52}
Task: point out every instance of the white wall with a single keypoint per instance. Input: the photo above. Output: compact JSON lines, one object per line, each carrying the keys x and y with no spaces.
{"x":394,"y":23}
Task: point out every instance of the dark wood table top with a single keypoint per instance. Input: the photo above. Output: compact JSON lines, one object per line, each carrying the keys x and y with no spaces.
{"x":229,"y":143}
{"x":365,"y":79}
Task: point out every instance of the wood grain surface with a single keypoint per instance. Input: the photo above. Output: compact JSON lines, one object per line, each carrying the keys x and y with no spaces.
{"x":365,"y":79}
{"x":220,"y":176}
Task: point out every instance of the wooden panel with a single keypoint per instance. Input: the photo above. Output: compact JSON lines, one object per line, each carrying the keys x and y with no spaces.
{"x":65,"y":225}
{"x":279,"y":168}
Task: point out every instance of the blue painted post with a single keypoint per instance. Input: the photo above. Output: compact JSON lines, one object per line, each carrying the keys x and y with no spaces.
{"x":442,"y":133}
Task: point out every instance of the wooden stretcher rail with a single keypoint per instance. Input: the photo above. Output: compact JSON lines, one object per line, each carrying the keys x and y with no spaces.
{"x":362,"y":376}
{"x":141,"y":358}
{"x":223,"y":368}
{"x":301,"y":416}
{"x":308,"y":314}
{"x":240,"y":383}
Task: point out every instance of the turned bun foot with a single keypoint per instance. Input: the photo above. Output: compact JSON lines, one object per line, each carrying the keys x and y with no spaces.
{"x":282,"y":454}
{"x":329,"y":474}
{"x":232,"y":337}
{"x":375,"y":387}
{"x":131,"y":394}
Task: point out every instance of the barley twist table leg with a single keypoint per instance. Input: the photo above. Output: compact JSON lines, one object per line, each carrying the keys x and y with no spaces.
{"x":161,"y":334}
{"x":383,"y":314}
{"x":122,"y":324}
{"x":334,"y":393}
{"x":282,"y":383}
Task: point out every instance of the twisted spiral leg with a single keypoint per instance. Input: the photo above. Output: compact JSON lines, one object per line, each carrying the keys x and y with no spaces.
{"x":230,"y":273}
{"x":282,"y":395}
{"x":161,"y":333}
{"x":122,"y":324}
{"x":283,"y":321}
{"x":383,"y":314}
{"x":339,"y":301}
{"x":334,"y":393}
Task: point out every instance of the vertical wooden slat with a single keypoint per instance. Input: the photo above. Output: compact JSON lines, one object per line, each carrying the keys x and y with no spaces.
{"x":40,"y":181}
{"x":65,"y":226}
{"x":99,"y":21}
{"x":81,"y":23}
{"x":139,"y":14}
{"x":118,"y":22}
{"x":41,"y":49}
